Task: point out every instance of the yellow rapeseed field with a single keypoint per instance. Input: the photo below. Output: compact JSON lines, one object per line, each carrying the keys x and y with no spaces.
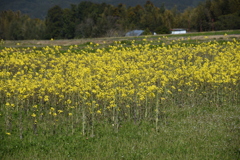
{"x":49,"y":88}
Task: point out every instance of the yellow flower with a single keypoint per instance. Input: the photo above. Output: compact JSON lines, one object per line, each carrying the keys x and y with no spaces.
{"x":46,"y":98}
{"x":69,"y":101}
{"x":70,"y":114}
{"x":60,"y":111}
{"x":34,"y":106}
{"x":7,"y":133}
{"x":173,"y":87}
{"x":8,"y":94}
{"x":99,"y":111}
{"x":33,"y":115}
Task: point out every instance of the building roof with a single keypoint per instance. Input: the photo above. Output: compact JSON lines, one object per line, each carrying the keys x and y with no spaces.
{"x":178,"y":29}
{"x":134,"y":33}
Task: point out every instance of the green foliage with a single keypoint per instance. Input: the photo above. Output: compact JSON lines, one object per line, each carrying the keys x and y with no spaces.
{"x":54,"y":22}
{"x":228,"y":21}
{"x":16,"y":26}
{"x":90,"y":19}
{"x":162,"y":30}
{"x":185,"y":133}
{"x":2,"y":42}
{"x":147,"y":32}
{"x":217,"y":14}
{"x":68,"y":29}
{"x":127,"y":42}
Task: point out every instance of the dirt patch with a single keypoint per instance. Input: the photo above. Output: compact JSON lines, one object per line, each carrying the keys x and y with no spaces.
{"x":66,"y":42}
{"x":216,"y":37}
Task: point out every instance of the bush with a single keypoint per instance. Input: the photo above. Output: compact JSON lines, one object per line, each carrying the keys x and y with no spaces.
{"x":230,"y":21}
{"x":147,"y":32}
{"x":163,"y":30}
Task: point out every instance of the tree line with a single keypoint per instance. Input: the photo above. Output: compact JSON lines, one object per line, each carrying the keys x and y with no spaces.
{"x":88,"y":19}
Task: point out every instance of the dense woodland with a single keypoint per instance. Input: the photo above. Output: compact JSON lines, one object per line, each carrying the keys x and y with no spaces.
{"x":88,"y":19}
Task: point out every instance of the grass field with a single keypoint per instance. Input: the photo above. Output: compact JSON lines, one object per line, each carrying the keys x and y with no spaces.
{"x":187,"y":133}
{"x":150,"y":97}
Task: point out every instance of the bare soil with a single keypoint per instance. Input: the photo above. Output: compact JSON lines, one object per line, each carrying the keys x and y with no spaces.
{"x":108,"y":40}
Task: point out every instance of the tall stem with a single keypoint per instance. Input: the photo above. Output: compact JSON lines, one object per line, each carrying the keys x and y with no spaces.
{"x":116,"y":124}
{"x":93,"y":118}
{"x":146,"y":107}
{"x":157,"y":111}
{"x":83,"y":118}
{"x":20,"y":122}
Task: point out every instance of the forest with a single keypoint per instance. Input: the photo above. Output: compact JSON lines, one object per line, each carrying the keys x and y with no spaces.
{"x":89,"y":20}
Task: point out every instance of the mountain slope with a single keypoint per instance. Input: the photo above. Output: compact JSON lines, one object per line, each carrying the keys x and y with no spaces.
{"x":39,"y":8}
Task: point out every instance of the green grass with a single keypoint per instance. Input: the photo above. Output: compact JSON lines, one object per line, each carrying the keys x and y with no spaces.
{"x":185,"y":133}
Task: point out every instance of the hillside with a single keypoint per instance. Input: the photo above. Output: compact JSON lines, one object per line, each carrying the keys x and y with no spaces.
{"x":38,"y":8}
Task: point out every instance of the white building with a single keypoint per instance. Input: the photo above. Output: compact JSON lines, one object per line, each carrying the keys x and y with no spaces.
{"x":178,"y":31}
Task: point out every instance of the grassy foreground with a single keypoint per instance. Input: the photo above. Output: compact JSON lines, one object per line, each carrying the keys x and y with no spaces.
{"x":137,"y":99}
{"x":185,"y":133}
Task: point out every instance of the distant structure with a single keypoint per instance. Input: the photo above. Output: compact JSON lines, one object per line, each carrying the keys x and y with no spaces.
{"x":134,"y":33}
{"x":178,"y":31}
{"x":137,"y":33}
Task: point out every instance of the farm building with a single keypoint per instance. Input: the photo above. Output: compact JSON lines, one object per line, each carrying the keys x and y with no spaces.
{"x":134,"y":33}
{"x":137,"y":33}
{"x":178,"y":31}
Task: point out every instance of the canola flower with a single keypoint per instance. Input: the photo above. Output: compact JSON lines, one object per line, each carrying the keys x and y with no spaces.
{"x":7,"y":133}
{"x":33,"y":115}
{"x":121,"y":82}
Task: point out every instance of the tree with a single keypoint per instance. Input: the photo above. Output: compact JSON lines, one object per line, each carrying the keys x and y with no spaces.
{"x":121,"y":15}
{"x":234,"y":6}
{"x":85,"y":9}
{"x":202,"y":19}
{"x":168,"y":19}
{"x":134,"y":16}
{"x":68,"y":20}
{"x":16,"y":32}
{"x":151,"y":18}
{"x":229,"y":21}
{"x":17,"y":26}
{"x":54,"y":22}
{"x":7,"y":18}
{"x":162,"y":8}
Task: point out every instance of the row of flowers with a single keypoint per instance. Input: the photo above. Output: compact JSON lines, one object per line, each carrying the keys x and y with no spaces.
{"x":118,"y":83}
